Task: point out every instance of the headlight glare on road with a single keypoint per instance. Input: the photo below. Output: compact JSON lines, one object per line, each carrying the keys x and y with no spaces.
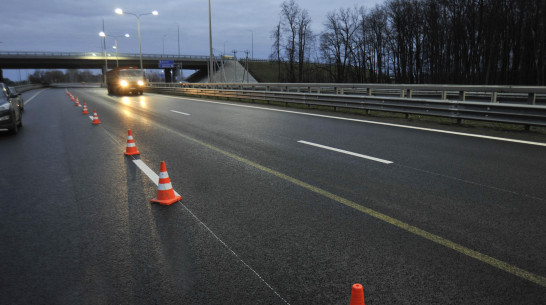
{"x":123,"y":83}
{"x":140,"y":83}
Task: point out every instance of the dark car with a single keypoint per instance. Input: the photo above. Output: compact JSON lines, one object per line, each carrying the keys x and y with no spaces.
{"x":18,"y":98}
{"x":11,"y":117}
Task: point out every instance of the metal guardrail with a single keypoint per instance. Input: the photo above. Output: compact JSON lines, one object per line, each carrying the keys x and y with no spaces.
{"x":23,"y":88}
{"x":515,"y":113}
{"x":495,"y":94}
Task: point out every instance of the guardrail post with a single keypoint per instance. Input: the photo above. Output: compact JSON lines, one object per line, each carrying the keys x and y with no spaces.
{"x":369,"y":90}
{"x":462,"y":96}
{"x":402,"y":93}
{"x":532,"y":98}
{"x":494,"y":97}
{"x":444,"y":95}
{"x":409,"y":93}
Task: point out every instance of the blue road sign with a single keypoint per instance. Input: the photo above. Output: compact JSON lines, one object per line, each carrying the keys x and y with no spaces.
{"x":166,"y":64}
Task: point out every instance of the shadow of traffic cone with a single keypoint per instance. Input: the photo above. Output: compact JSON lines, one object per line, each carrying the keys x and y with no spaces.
{"x":77,"y":102}
{"x":165,"y":192}
{"x":95,"y":118}
{"x":85,"y":108}
{"x":131,"y":146}
{"x":357,"y":295}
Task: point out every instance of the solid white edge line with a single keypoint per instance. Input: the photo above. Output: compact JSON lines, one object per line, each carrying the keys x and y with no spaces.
{"x":346,"y":152}
{"x":35,"y":95}
{"x":149,"y":172}
{"x":180,"y":112}
{"x":375,"y":123}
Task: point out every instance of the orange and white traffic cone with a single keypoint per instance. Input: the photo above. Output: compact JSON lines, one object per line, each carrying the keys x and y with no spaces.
{"x":357,"y":295}
{"x":131,"y":146}
{"x":77,"y":102}
{"x":165,"y":192}
{"x":85,"y":108}
{"x":95,"y":118}
{"x":72,"y":97}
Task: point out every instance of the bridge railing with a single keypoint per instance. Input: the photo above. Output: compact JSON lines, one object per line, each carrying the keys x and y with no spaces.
{"x":100,"y":55}
{"x":518,"y":106}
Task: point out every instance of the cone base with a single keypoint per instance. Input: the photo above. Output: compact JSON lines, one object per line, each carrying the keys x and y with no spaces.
{"x":85,"y":112}
{"x":96,"y":123}
{"x":132,"y":153}
{"x":167,"y":201}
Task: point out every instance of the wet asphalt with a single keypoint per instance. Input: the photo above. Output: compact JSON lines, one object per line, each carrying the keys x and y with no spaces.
{"x":77,"y":227}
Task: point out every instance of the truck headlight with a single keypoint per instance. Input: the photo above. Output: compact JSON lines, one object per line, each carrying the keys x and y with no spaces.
{"x":140,"y":83}
{"x":123,"y":83}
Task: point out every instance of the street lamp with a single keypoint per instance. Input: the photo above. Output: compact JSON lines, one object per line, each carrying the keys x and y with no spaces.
{"x":211,"y":67}
{"x":164,"y":44}
{"x":102,"y":34}
{"x":121,"y":12}
{"x":252,"y":54}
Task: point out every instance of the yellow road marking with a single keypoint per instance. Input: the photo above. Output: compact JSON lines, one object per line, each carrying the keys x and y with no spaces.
{"x":524,"y":274}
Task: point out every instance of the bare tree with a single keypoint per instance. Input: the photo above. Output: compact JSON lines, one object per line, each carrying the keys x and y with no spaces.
{"x":304,"y":36}
{"x":290,"y":12}
{"x":276,"y":48}
{"x":337,"y":40}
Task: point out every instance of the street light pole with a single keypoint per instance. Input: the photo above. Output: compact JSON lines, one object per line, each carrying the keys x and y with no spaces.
{"x":102,"y":34}
{"x":252,"y":52}
{"x":121,"y":12}
{"x":104,"y":47}
{"x":164,"y":44}
{"x":116,"y":47}
{"x":211,"y":67}
{"x":139,"y":41}
{"x":178,"y":25}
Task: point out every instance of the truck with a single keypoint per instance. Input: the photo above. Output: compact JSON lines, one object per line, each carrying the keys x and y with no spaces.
{"x":125,"y":80}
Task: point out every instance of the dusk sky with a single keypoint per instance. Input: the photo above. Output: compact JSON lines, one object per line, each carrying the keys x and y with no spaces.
{"x":73,"y":26}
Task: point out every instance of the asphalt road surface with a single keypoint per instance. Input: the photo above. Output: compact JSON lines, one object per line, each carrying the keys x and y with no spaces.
{"x":279,"y":206}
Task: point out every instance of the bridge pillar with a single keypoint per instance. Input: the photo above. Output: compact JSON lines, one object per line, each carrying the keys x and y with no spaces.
{"x":168,"y":75}
{"x":176,"y":74}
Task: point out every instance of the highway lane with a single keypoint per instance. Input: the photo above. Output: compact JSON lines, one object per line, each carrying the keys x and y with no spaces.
{"x":304,"y":246}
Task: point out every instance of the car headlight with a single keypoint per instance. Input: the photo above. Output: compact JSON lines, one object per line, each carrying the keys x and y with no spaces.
{"x":140,"y":83}
{"x":4,"y":106}
{"x":3,"y":118}
{"x":123,"y":83}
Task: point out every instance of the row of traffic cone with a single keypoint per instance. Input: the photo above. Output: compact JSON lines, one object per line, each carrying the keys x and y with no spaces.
{"x":165,"y":191}
{"x":76,"y":101}
{"x":167,"y":196}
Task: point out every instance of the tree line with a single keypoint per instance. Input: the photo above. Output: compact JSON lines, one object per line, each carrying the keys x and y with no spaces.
{"x":415,"y":41}
{"x":69,"y":76}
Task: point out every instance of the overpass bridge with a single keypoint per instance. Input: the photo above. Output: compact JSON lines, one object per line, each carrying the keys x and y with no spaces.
{"x":97,"y":60}
{"x":94,"y":60}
